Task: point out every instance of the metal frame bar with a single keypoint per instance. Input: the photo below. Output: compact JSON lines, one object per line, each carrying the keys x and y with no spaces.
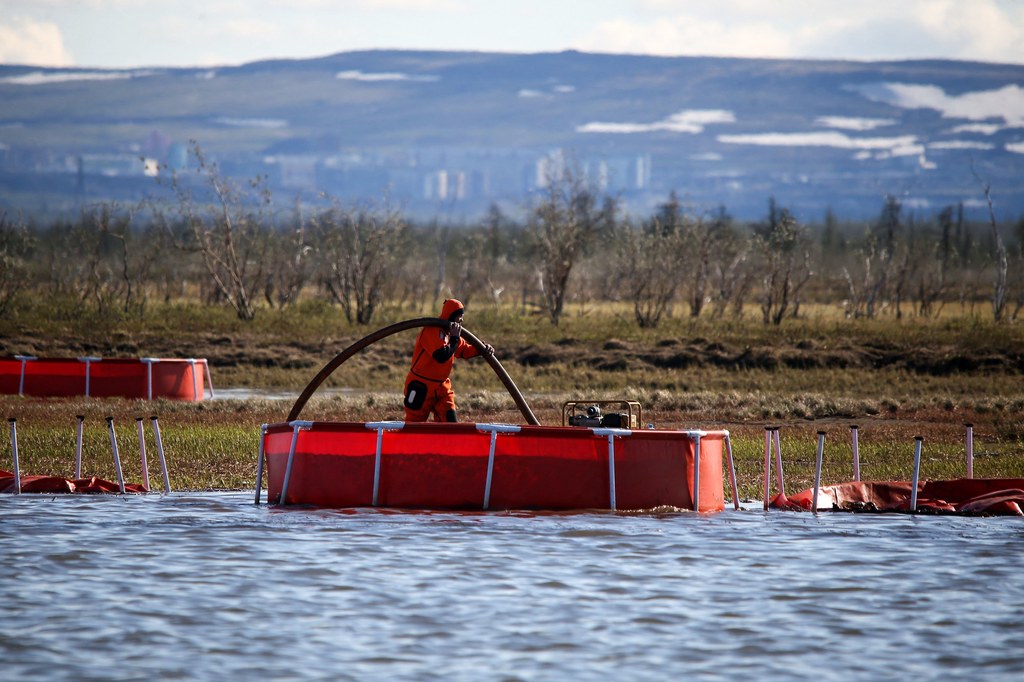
{"x":296,"y":427}
{"x":117,"y":454}
{"x":611,"y":433}
{"x":817,"y":471}
{"x":14,"y":454}
{"x":78,"y":446}
{"x":88,"y":360}
{"x":918,"y":441}
{"x":696,"y":472}
{"x":259,"y":462}
{"x":142,"y":452}
{"x":856,"y":452}
{"x":149,"y":375}
{"x":767,"y":464}
{"x":380,"y":428}
{"x":970,"y":450}
{"x":21,"y":382}
{"x":160,"y":452}
{"x":209,"y":379}
{"x":780,"y":479}
{"x":494,"y":430}
{"x":732,"y":473}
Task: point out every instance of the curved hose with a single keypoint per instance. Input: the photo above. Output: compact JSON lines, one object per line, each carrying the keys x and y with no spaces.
{"x":376,"y":336}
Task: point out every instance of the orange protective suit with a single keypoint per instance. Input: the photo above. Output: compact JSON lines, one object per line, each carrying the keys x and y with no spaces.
{"x":427,"y":386}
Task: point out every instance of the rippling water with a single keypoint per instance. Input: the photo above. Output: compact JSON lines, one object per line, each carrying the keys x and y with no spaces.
{"x":209,"y":586}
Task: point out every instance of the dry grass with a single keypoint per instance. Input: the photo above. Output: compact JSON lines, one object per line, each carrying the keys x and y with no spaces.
{"x":895,"y":378}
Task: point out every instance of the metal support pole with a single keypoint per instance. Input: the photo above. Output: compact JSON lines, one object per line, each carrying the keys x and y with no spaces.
{"x":767,"y":463}
{"x":917,"y":472}
{"x":142,"y":452}
{"x":732,"y":473}
{"x":14,"y":454}
{"x":611,"y":469}
{"x":490,"y":469}
{"x":117,"y":454}
{"x":817,"y":471}
{"x":21,"y":383}
{"x":149,"y":376}
{"x":288,"y":469}
{"x":195,"y":379}
{"x":209,"y":380}
{"x":494,"y":430}
{"x":160,"y":451}
{"x":970,"y":450}
{"x":856,"y":452}
{"x":696,"y":473}
{"x":380,"y":428}
{"x":376,"y":464}
{"x":259,"y":462}
{"x":778,"y":463}
{"x":78,"y":446}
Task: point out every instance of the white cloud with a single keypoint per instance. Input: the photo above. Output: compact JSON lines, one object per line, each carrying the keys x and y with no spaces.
{"x":383,"y":76}
{"x":43,"y":78}
{"x":960,"y":144}
{"x":1015,"y":147}
{"x":982,"y":128}
{"x":27,"y":41}
{"x":686,"y":35}
{"x":902,"y":145}
{"x":850,"y":123}
{"x":268,"y":123}
{"x":1006,"y":103}
{"x":986,"y":30}
{"x":687,"y":121}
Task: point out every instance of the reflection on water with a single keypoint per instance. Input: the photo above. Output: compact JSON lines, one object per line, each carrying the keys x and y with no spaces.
{"x":209,"y":586}
{"x":275,"y":394}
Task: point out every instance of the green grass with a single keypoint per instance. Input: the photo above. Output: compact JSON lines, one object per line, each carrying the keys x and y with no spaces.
{"x":597,"y":353}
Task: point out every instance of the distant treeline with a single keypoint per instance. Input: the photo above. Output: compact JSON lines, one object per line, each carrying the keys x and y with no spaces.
{"x":227,"y":245}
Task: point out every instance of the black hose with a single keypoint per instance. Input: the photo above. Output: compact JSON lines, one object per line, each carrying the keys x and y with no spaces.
{"x":376,"y":336}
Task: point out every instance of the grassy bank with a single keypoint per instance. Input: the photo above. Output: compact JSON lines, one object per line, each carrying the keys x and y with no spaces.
{"x":895,"y":378}
{"x":214,"y":445}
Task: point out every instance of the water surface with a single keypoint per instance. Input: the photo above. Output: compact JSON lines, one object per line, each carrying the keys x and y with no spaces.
{"x":209,"y":586}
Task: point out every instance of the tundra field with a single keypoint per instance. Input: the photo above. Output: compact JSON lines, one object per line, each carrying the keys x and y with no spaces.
{"x":895,"y":379}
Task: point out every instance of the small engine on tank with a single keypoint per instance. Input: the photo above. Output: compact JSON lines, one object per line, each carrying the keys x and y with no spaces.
{"x":574,"y":413}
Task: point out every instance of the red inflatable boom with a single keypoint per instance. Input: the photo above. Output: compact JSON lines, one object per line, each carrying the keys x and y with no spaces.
{"x":145,"y":378}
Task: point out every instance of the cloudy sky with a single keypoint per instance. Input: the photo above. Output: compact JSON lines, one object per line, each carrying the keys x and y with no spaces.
{"x":134,"y":33}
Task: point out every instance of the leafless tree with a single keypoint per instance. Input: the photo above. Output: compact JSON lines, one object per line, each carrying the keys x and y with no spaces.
{"x":15,"y":248}
{"x":731,"y":274}
{"x":569,"y":216}
{"x":647,"y":260}
{"x":362,"y":249}
{"x":785,"y":264}
{"x":127,"y":271}
{"x":290,"y":271}
{"x":1000,"y":293}
{"x":228,"y":227}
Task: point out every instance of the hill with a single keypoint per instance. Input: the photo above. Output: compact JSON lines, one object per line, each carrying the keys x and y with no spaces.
{"x":450,"y":133}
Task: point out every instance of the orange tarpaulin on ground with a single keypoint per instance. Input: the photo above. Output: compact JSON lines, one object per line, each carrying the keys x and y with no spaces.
{"x":56,"y":484}
{"x":994,"y":496}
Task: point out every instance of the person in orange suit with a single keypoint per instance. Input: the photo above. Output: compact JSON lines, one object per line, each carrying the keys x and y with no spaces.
{"x":428,"y":389}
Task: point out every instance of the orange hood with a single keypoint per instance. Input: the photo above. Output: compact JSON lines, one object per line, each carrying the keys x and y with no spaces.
{"x":451,"y":307}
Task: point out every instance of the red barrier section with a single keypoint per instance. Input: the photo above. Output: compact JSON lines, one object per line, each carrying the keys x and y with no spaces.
{"x":444,"y":466}
{"x":56,"y":484}
{"x":995,"y":496}
{"x":148,"y":378}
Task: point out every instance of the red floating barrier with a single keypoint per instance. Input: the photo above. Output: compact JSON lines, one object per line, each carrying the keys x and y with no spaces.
{"x":58,"y":485}
{"x":145,"y":378}
{"x":489,"y":466}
